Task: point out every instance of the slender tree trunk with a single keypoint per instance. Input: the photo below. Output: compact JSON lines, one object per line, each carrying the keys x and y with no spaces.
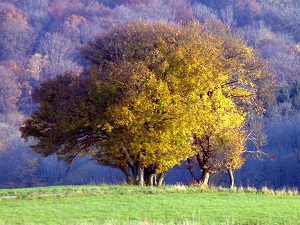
{"x":149,"y":175}
{"x":203,"y":159}
{"x":141,"y":181}
{"x":204,"y":177}
{"x":136,"y":173}
{"x":161,"y":178}
{"x":129,"y":178}
{"x":231,"y":177}
{"x":142,"y":175}
{"x":152,"y":180}
{"x":155,"y":179}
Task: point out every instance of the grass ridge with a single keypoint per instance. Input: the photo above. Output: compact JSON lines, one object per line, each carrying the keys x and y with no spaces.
{"x":95,"y":190}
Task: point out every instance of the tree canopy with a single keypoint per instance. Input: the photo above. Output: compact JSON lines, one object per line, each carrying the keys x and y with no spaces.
{"x":155,"y":94}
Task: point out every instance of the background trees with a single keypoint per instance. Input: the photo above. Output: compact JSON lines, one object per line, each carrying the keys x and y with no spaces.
{"x":16,"y":36}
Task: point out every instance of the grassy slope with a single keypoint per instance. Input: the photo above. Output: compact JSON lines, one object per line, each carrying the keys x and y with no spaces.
{"x":135,"y":205}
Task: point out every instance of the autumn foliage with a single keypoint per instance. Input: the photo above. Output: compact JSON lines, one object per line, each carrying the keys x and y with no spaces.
{"x":155,"y":94}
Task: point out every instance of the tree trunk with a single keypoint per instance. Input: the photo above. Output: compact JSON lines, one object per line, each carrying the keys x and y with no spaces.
{"x":161,"y":178}
{"x":204,"y":177}
{"x":204,"y":160}
{"x":231,"y":177}
{"x":141,"y":176}
{"x":129,"y":178}
{"x":138,"y":174}
{"x":149,"y":175}
{"x":152,"y":180}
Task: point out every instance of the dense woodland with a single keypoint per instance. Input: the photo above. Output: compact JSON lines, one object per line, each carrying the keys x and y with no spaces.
{"x":41,"y":39}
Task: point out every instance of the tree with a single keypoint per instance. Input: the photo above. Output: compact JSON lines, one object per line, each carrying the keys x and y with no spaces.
{"x":36,"y":66}
{"x":227,"y":16}
{"x":247,"y":11}
{"x":195,"y":81}
{"x":9,"y":90}
{"x":72,"y":27}
{"x":220,"y":140}
{"x":203,"y":13}
{"x":60,"y":53}
{"x":156,"y":10}
{"x":243,"y":85}
{"x":38,"y":13}
{"x":16,"y":38}
{"x":152,"y":90}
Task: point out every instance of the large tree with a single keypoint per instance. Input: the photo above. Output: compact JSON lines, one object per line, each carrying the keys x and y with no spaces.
{"x":124,"y":114}
{"x":152,"y":91}
{"x":242,"y":86}
{"x":208,"y":74}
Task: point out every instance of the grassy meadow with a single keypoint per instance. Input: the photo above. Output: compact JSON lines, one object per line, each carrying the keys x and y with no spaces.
{"x":148,"y":205}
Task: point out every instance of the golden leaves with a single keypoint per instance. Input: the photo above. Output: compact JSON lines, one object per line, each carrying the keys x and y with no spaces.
{"x":153,"y":90}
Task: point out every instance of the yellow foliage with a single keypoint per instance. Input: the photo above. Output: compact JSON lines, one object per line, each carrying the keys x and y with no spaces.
{"x":157,"y":94}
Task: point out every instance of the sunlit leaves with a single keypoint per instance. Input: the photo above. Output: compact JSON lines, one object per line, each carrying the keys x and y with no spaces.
{"x":155,"y":94}
{"x":146,"y":115}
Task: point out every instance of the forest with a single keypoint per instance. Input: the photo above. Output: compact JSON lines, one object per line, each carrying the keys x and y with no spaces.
{"x":42,"y":39}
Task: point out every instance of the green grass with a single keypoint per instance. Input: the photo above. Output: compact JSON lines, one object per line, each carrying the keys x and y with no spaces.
{"x":148,"y":205}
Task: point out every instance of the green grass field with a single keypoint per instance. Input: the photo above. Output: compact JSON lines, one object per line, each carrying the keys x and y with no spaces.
{"x":147,"y":205}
